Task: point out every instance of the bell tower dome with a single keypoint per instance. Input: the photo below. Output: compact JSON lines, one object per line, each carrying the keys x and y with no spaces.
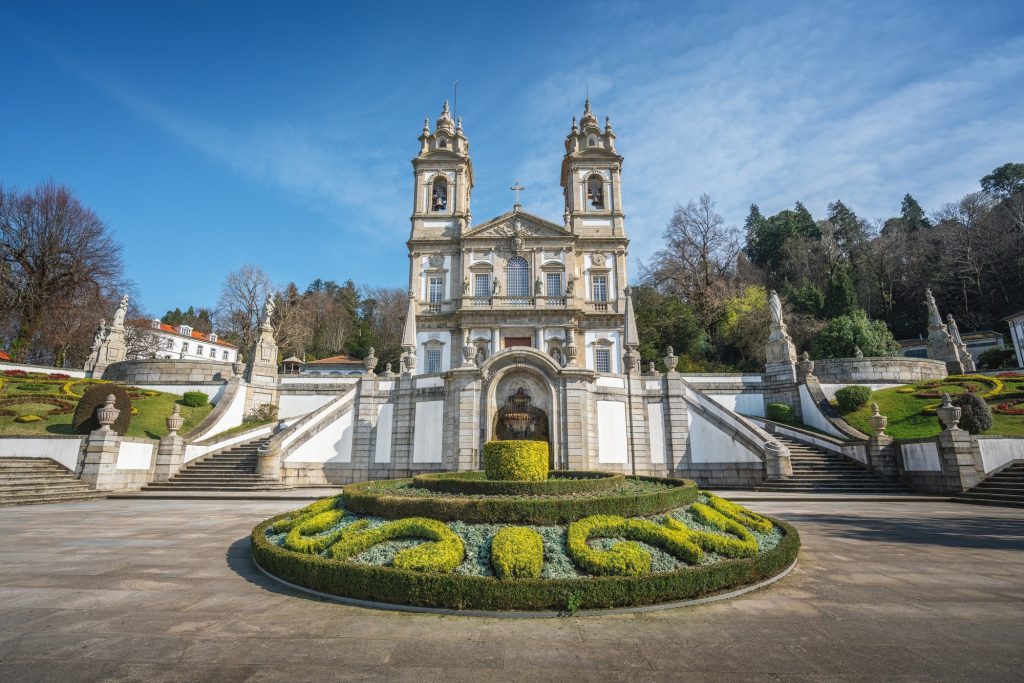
{"x":442,"y":180}
{"x":591,"y":179}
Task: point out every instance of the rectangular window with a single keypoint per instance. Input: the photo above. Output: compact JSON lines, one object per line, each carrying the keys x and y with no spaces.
{"x":600,"y":288}
{"x":213,"y":353}
{"x":225,"y":355}
{"x":554,"y":284}
{"x":603,"y":360}
{"x":481,"y":285}
{"x":199,"y":350}
{"x":433,"y":364}
{"x":184,"y":347}
{"x":436,"y":290}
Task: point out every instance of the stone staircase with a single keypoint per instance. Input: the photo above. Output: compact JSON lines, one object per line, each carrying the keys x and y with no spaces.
{"x":1005,"y":487}
{"x":40,"y":480}
{"x":230,"y":470}
{"x":816,"y":470}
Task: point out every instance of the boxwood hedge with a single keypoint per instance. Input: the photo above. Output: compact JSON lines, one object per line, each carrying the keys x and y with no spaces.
{"x":559,"y":483}
{"x":541,"y":511}
{"x":458,"y":591}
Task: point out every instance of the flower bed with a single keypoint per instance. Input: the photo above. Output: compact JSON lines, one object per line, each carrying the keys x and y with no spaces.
{"x":564,"y":482}
{"x":698,"y":550}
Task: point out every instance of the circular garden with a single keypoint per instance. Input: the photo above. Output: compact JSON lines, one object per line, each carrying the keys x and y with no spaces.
{"x":515,"y":537}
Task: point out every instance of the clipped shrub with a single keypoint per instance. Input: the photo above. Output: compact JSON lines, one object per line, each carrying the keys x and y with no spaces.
{"x":516,"y":460}
{"x":625,"y":558}
{"x":852,"y":397}
{"x":738,"y":513}
{"x":559,"y":483}
{"x":975,"y":415}
{"x":780,"y":412}
{"x":372,"y":498}
{"x":308,"y":535}
{"x":95,"y":397}
{"x":517,"y":552}
{"x":995,"y":358}
{"x":265,"y":412}
{"x":195,"y":399}
{"x":15,"y":373}
{"x":57,"y":375}
{"x":32,"y":386}
{"x":288,"y":522}
{"x":27,"y":418}
{"x":443,"y":553}
{"x":743,"y":545}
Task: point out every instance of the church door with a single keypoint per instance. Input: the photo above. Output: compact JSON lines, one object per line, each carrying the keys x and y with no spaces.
{"x":518,"y":341}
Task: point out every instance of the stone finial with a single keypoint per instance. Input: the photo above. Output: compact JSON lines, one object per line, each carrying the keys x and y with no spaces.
{"x":388,"y":374}
{"x":238,"y":367}
{"x":948,"y":413}
{"x":607,"y":124}
{"x":107,"y":415}
{"x":857,"y":353}
{"x":174,"y":421}
{"x":468,"y":353}
{"x":670,"y":360}
{"x":652,"y":369}
{"x":877,"y":420}
{"x":806,"y":365}
{"x":370,"y":362}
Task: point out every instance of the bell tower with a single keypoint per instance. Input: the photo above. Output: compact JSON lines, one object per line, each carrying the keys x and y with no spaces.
{"x":591,"y":179}
{"x":442,"y":180}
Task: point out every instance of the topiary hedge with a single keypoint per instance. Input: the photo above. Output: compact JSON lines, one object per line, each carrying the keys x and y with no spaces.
{"x":84,"y":420}
{"x":194,"y":399}
{"x":780,"y":412}
{"x":975,"y":415}
{"x":498,"y":510}
{"x":516,"y":460}
{"x":458,"y":591}
{"x":517,"y":552}
{"x":852,"y":397}
{"x":559,"y":483}
{"x":442,"y":554}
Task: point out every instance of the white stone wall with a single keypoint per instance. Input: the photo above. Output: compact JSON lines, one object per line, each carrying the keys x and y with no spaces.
{"x":813,"y":416}
{"x":382,"y":446}
{"x":997,"y":452}
{"x":134,"y":455}
{"x":709,"y":444}
{"x":331,"y":444}
{"x":612,"y":446}
{"x":751,"y":405}
{"x":64,"y":450}
{"x":921,"y":457}
{"x":294,"y":405}
{"x":428,"y":434}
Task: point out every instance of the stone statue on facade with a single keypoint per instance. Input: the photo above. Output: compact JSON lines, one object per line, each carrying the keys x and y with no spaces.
{"x":496,"y":287}
{"x":780,"y":348}
{"x":538,"y":287}
{"x":954,"y":334}
{"x":941,"y":345}
{"x":570,"y":286}
{"x":268,"y":311}
{"x":465,"y":286}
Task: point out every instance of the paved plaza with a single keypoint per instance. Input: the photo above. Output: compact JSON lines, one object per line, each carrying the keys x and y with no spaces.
{"x":162,"y":590}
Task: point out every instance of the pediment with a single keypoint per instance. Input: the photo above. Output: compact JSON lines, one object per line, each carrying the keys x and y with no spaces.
{"x":517,"y":224}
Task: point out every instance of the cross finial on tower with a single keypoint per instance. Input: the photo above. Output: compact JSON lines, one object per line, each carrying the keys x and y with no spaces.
{"x":517,"y":188}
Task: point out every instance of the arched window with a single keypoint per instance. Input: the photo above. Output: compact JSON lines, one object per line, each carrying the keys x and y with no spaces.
{"x":595,"y":191}
{"x":518,"y":277}
{"x":439,"y":195}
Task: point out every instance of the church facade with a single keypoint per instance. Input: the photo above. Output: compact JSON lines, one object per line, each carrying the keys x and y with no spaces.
{"x":519,"y":280}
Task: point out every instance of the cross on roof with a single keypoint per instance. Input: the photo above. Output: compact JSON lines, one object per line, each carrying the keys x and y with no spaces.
{"x":517,"y":188}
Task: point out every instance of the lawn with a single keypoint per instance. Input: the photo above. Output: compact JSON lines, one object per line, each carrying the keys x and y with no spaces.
{"x":907,"y":421}
{"x":153,"y":408}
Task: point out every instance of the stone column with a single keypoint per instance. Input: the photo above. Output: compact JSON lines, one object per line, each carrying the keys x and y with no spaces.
{"x":101,"y":449}
{"x":364,"y":419}
{"x":777,"y":464}
{"x":881,"y":451}
{"x":959,"y":455}
{"x":464,"y":389}
{"x":677,"y":417}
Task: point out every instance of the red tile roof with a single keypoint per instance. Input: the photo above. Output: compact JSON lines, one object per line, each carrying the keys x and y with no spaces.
{"x":343,"y":359}
{"x":4,"y":356}
{"x":199,"y":336}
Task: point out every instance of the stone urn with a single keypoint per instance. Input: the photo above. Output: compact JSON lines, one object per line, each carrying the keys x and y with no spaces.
{"x":107,"y":415}
{"x":948,"y":413}
{"x":410,"y":359}
{"x":877,"y":420}
{"x":174,"y":421}
{"x":670,"y":360}
{"x":468,"y":354}
{"x":238,"y":367}
{"x":370,"y":362}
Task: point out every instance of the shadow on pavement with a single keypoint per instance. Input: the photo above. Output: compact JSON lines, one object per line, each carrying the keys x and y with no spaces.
{"x":998,"y":533}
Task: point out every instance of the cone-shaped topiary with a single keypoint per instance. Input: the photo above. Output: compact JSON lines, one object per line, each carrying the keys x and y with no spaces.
{"x":95,"y":397}
{"x":975,"y":415}
{"x":516,"y":460}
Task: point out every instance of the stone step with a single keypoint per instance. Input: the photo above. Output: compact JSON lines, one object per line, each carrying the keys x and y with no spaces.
{"x":219,"y":487}
{"x":41,"y":483}
{"x":20,"y":469}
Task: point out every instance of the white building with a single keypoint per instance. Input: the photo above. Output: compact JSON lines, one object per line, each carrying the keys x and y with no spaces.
{"x":1016,"y":323}
{"x":167,"y":341}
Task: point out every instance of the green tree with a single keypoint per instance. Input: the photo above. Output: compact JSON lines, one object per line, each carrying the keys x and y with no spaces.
{"x":912,"y":214}
{"x":1004,"y":181}
{"x":665,"y":320}
{"x":844,"y":334}
{"x":743,"y":330}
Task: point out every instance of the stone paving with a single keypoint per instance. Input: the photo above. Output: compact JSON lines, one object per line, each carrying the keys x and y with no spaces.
{"x":161,"y":590}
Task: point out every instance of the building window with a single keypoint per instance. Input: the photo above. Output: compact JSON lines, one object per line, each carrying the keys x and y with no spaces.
{"x":436,"y":290}
{"x":554,"y":284}
{"x":603,"y":360}
{"x":213,"y":353}
{"x":199,"y":350}
{"x":595,"y":191}
{"x":439,"y":195}
{"x":225,"y":356}
{"x":481,"y":285}
{"x":185,"y":330}
{"x":518,"y":277}
{"x":600,"y":288}
{"x":184,"y":347}
{"x":433,"y":364}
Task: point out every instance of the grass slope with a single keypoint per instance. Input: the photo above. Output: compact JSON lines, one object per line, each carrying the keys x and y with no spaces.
{"x":906,"y":421}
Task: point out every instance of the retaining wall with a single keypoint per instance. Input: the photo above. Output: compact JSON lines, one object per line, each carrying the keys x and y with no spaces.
{"x":163,"y":370}
{"x":877,"y":370}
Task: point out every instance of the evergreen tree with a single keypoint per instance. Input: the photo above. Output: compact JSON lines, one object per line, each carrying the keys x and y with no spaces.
{"x":913,"y":215}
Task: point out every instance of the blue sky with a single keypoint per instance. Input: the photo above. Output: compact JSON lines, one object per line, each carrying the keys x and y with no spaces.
{"x":277,"y":134}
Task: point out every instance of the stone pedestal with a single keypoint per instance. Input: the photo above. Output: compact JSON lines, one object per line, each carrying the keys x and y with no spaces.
{"x":170,"y":456}
{"x":268,"y":462}
{"x":100,"y":463}
{"x":882,"y":457}
{"x":960,"y":458}
{"x":262,"y":372}
{"x":777,"y":464}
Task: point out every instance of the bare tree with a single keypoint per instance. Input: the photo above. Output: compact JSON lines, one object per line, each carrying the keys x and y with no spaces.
{"x":241,"y":304}
{"x":56,"y":257}
{"x":698,"y":262}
